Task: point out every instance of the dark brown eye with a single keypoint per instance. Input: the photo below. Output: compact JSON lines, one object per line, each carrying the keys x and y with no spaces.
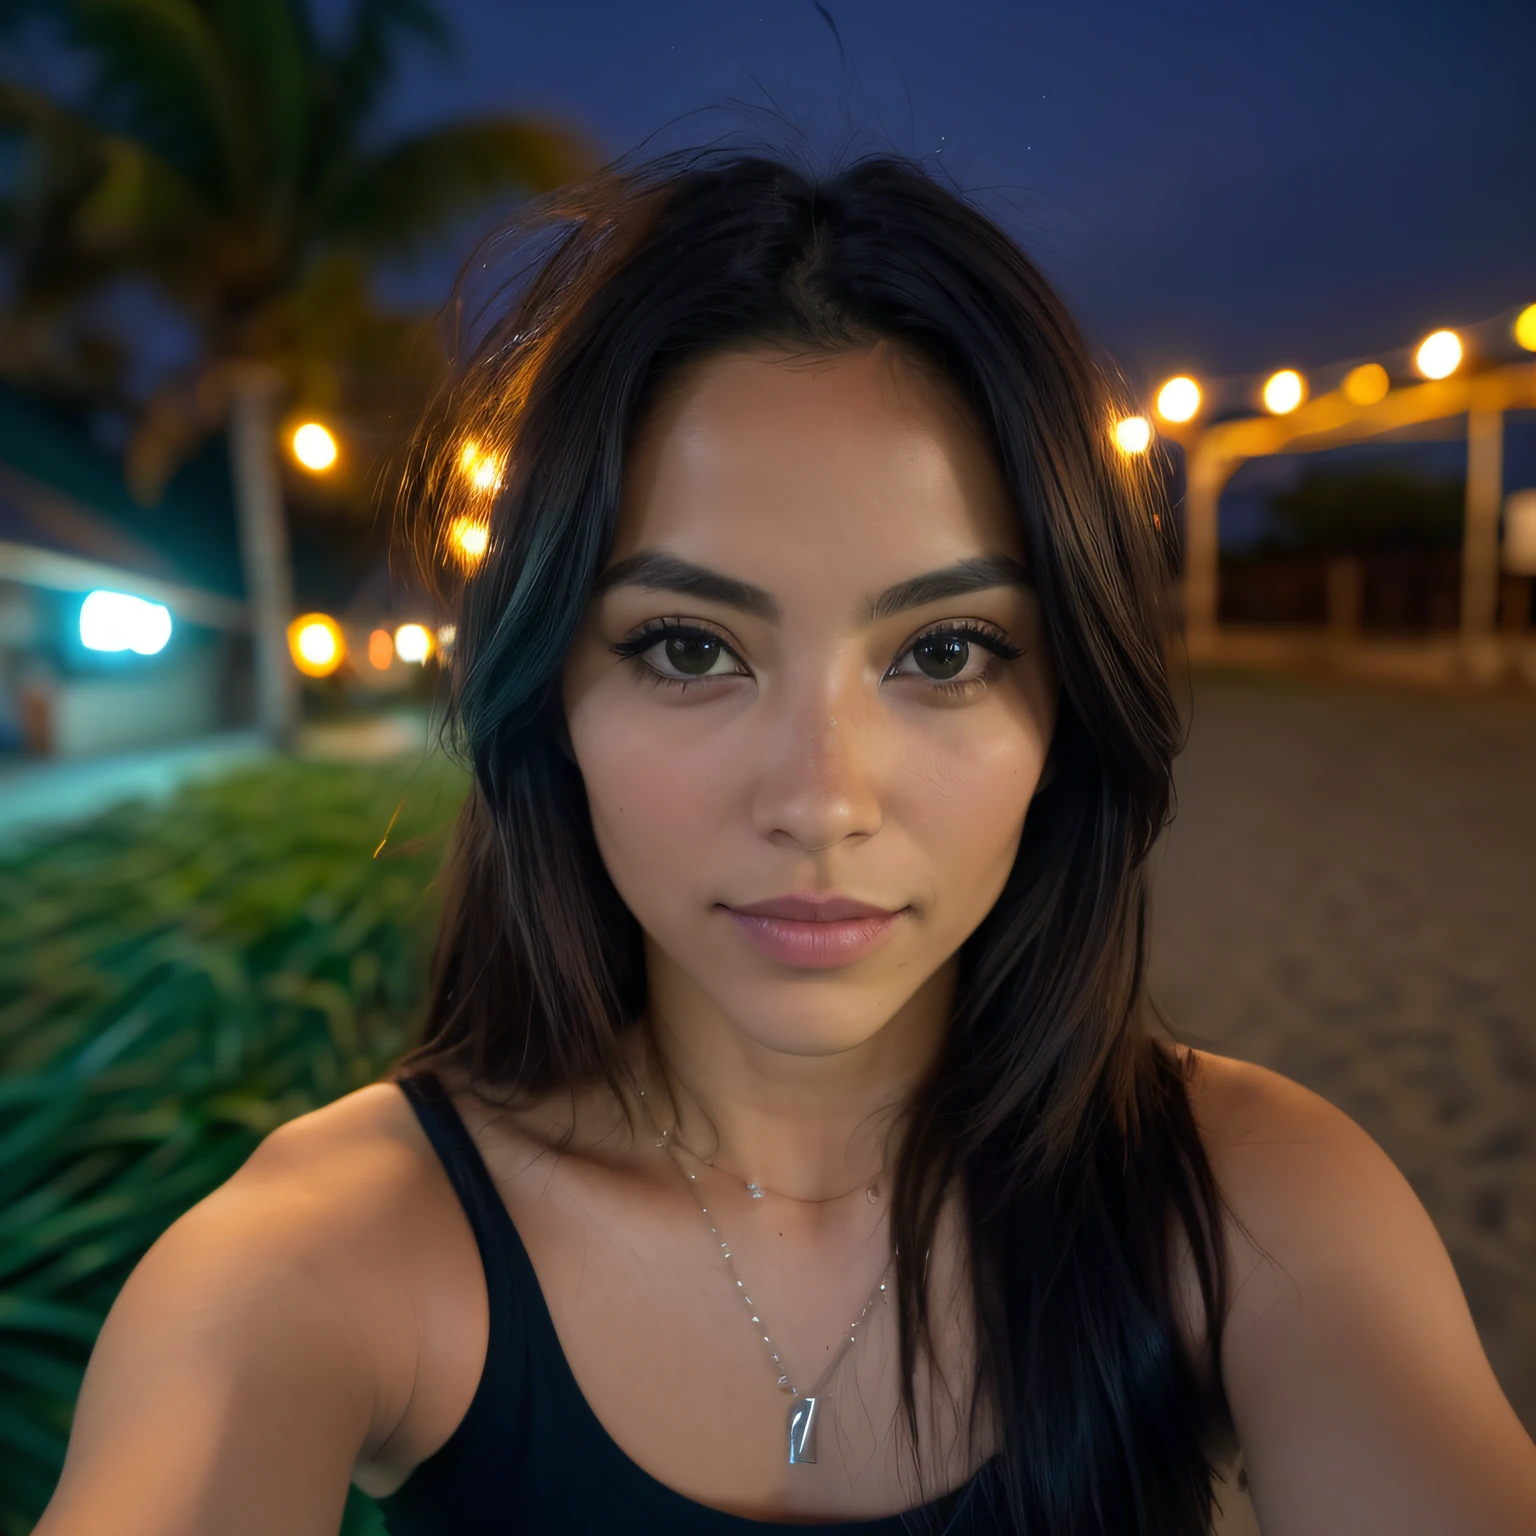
{"x":692,"y":655}
{"x":942,"y":657}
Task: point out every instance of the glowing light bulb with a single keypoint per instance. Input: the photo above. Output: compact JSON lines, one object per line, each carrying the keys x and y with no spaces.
{"x":1366,"y":384}
{"x":314,"y":447}
{"x":483,"y":469}
{"x":316,"y":645}
{"x":1284,"y":391}
{"x":1525,"y":328}
{"x":381,"y":650}
{"x":413,"y":643}
{"x":1178,"y":399}
{"x":470,"y":537}
{"x":1133,"y":434}
{"x":1439,"y":355}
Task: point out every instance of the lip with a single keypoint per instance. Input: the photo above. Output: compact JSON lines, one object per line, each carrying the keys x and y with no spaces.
{"x":813,"y":908}
{"x":814,"y":932}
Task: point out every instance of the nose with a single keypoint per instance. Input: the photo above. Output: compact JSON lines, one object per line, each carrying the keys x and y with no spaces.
{"x":818,"y":780}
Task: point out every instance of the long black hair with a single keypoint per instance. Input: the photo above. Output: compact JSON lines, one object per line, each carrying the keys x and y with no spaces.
{"x":1054,"y":1112}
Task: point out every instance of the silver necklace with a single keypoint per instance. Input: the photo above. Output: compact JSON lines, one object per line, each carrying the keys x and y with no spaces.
{"x":804,"y":1408}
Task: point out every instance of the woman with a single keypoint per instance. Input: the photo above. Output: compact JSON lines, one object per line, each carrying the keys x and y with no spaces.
{"x":788,"y":1144}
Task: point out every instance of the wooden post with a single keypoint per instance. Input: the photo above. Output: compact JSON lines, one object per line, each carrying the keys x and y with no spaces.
{"x":1205,"y":474}
{"x":1480,"y":532}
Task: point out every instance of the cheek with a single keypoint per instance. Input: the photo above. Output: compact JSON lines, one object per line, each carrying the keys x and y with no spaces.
{"x":656,"y":791}
{"x":963,"y":800}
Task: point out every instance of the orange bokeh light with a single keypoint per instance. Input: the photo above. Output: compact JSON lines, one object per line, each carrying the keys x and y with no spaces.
{"x":470,"y":538}
{"x":316,"y":644}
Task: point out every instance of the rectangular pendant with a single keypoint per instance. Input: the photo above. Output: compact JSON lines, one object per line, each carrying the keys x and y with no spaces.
{"x":802,"y":1431}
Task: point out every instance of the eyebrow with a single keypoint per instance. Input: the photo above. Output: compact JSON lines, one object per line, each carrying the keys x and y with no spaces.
{"x":655,"y":570}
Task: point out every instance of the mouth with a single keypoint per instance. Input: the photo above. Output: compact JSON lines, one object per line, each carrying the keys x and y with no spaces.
{"x":814,"y":932}
{"x":812,"y":908}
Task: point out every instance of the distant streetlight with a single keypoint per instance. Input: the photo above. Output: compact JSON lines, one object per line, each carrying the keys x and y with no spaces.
{"x":1366,"y":384}
{"x":381,"y":650}
{"x":1525,"y":327}
{"x":1439,"y":355}
{"x":470,"y":538}
{"x":314,"y":447}
{"x":1284,"y":391}
{"x":1133,"y":434}
{"x":413,"y":643}
{"x":316,"y":644}
{"x":1178,"y":399}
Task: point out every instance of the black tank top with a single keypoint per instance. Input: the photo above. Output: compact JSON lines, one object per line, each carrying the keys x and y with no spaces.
{"x":529,"y":1457}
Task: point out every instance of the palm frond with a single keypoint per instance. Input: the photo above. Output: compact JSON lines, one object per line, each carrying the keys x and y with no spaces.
{"x":405,"y":194}
{"x":164,"y":76}
{"x":274,"y":54}
{"x":88,"y":204}
{"x":364,"y":65}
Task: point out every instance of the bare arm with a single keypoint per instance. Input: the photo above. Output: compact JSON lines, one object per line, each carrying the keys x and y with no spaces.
{"x":239,"y":1374}
{"x":1360,"y":1391}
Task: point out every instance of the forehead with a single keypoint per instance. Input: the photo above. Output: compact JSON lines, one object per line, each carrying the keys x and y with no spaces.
{"x":844,"y":472}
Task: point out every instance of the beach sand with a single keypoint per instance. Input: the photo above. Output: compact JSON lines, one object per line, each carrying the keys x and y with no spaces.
{"x":1348,"y":896}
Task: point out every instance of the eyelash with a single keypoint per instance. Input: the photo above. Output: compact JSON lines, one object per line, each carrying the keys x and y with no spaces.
{"x":633,"y":648}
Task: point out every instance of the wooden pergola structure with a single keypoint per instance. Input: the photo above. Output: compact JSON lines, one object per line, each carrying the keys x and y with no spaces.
{"x":1214,"y":453}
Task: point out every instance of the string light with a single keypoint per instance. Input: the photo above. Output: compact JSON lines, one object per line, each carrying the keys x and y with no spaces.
{"x":1525,"y":328}
{"x":1366,"y":384}
{"x":1178,"y":399}
{"x":1284,"y":391}
{"x":470,"y":538}
{"x":1439,"y":355}
{"x":1133,"y":434}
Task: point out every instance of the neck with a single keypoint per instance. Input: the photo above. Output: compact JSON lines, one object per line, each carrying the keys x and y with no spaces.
{"x":811,"y":1127}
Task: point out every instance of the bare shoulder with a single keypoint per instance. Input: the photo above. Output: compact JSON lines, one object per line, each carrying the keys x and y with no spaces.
{"x":1262,"y":1131}
{"x":1304,"y":1185}
{"x":1359,"y":1389}
{"x":367,"y":1144}
{"x":274,"y":1326}
{"x":354,"y":1187}
{"x":362,"y":1190}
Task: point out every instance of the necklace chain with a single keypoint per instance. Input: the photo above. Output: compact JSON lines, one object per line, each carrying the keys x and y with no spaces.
{"x":672,"y":1139}
{"x":782,"y":1372}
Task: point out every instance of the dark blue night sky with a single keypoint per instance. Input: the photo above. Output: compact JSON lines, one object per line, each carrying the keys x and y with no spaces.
{"x":1222,"y":188}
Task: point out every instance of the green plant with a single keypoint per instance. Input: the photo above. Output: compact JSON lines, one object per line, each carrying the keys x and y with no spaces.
{"x":176,"y":981}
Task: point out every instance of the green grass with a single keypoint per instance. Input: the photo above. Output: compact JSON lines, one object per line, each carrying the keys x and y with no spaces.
{"x":175,"y":981}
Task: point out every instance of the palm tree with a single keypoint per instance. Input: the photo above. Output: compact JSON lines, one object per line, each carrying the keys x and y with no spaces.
{"x":226,"y":151}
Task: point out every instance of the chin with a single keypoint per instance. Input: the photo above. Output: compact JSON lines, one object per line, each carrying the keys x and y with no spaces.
{"x":793,"y":1020}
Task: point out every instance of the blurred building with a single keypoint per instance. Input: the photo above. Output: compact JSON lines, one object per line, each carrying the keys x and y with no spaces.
{"x":121,"y":626}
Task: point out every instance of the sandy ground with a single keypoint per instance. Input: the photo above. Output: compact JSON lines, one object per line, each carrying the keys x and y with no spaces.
{"x":1348,"y":895}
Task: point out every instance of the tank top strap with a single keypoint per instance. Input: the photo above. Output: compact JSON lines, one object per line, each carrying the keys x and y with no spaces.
{"x":466,"y":1170}
{"x":513,"y":1300}
{"x":522,"y":1333}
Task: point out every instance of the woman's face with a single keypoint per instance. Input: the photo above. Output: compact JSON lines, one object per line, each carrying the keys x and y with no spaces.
{"x":812,"y":674}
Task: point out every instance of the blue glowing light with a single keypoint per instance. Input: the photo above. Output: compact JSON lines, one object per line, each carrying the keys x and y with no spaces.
{"x":114,"y":621}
